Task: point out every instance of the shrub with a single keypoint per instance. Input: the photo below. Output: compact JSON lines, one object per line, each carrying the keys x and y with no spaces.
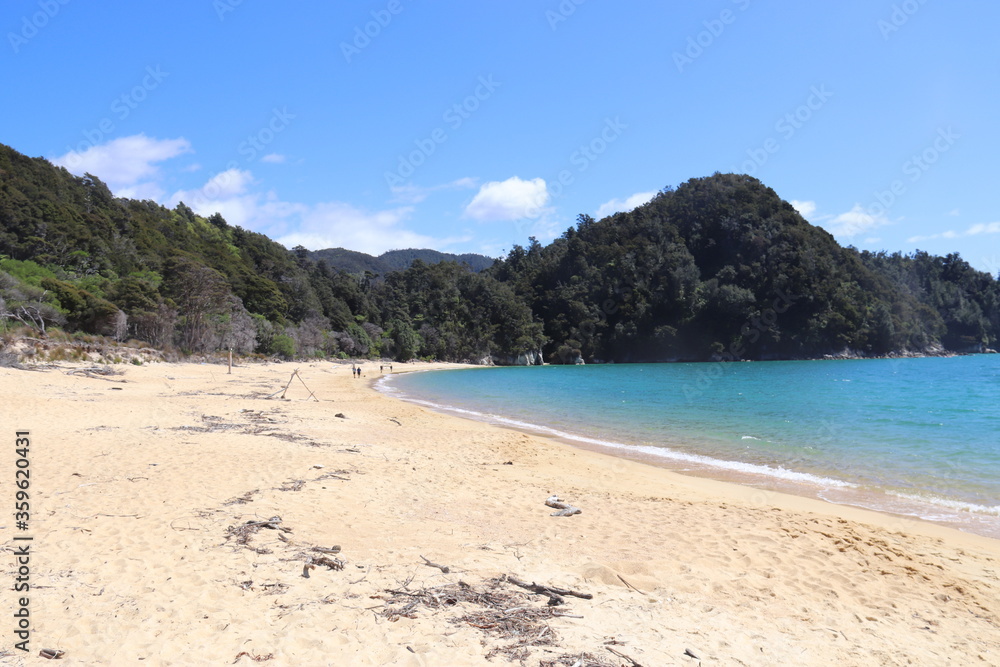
{"x":283,"y":346}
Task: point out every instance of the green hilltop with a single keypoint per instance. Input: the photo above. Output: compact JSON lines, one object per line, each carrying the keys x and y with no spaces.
{"x":718,"y":268}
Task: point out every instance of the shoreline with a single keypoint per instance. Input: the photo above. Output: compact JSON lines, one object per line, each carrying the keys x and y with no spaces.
{"x":143,"y":483}
{"x":837,"y":492}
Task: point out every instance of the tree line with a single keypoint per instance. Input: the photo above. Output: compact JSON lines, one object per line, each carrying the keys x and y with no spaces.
{"x":719,"y":267}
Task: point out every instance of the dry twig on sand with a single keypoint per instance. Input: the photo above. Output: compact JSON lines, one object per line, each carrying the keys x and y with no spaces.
{"x":444,"y":568}
{"x":241,"y":500}
{"x":578,"y":660}
{"x":255,"y":658}
{"x":98,"y":372}
{"x":244,"y":532}
{"x":554,"y":594}
{"x":498,"y":612}
{"x":630,"y":660}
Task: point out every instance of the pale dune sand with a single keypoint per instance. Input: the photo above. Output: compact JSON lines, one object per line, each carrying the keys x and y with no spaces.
{"x":135,"y":484}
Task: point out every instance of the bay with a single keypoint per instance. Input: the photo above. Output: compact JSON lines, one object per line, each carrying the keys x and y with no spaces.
{"x":914,"y":437}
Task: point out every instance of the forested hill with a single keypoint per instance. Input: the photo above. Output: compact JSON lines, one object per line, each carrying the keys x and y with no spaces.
{"x":721,"y":267}
{"x":356,"y":262}
{"x":74,"y":256}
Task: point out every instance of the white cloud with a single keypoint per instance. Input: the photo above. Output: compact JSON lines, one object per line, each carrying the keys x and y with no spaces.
{"x":627,"y":204}
{"x":225,"y":193}
{"x":414,"y":194}
{"x":974,"y":230}
{"x":338,"y":224}
{"x":855,"y":222}
{"x":955,"y":213}
{"x":512,"y":199}
{"x":228,"y":183}
{"x":129,"y":166}
{"x":990,"y":228}
{"x":805,"y":208}
{"x":273,"y":158}
{"x":125,"y":161}
{"x":323,"y":225}
{"x":141,"y":191}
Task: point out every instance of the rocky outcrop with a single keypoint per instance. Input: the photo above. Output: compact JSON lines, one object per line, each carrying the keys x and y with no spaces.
{"x":527,"y":358}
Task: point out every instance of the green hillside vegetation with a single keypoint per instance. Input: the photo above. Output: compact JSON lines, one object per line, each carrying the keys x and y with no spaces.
{"x":720,"y":268}
{"x":355,"y":262}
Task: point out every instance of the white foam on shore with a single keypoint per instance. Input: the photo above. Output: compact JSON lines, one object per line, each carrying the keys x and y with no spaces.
{"x":954,"y":505}
{"x":978,"y":518}
{"x":649,"y":451}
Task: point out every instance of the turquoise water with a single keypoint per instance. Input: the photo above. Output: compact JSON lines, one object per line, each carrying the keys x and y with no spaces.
{"x":917,"y":437}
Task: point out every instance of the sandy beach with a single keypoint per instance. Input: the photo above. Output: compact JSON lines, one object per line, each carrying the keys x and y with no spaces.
{"x":175,"y":510}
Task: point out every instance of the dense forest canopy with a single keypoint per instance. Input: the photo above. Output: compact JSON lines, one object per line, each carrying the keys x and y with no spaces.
{"x":718,"y":268}
{"x":353,"y":261}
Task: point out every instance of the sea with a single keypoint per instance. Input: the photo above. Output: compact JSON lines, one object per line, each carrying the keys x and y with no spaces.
{"x":915,"y":437}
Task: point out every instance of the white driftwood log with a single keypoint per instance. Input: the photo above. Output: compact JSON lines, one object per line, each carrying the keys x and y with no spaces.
{"x":564,"y":508}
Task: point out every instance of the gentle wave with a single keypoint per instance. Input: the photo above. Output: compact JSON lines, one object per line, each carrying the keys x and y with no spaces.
{"x":883,"y":444}
{"x":647,"y":450}
{"x":956,"y":505}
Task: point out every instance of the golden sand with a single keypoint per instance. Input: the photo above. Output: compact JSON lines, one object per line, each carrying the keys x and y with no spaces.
{"x":140,"y":491}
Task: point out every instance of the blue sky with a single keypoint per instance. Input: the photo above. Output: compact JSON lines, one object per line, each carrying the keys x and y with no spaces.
{"x":469,"y":127}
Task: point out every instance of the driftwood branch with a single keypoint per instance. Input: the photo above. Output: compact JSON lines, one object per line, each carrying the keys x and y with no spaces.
{"x":332,"y":563}
{"x":270,"y":523}
{"x":630,"y":585}
{"x":295,"y":374}
{"x":311,"y":394}
{"x":554,"y":594}
{"x":245,"y":531}
{"x":323,"y":550}
{"x":443,"y":568}
{"x":97,"y":373}
{"x":624,"y":657}
{"x":565,"y":509}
